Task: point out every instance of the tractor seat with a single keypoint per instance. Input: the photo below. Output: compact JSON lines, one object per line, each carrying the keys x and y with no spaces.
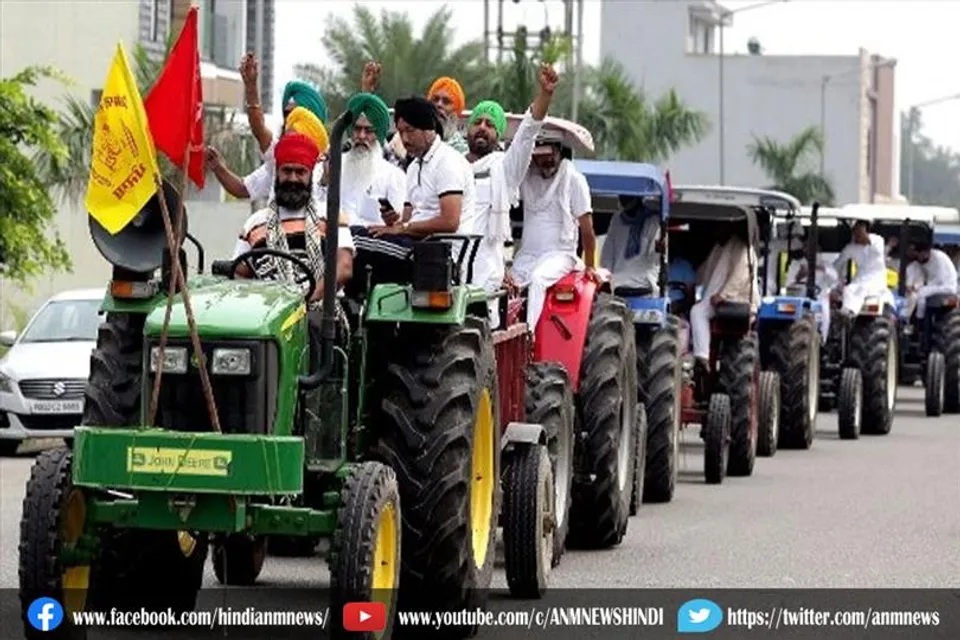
{"x":942,"y":300}
{"x":633,"y":292}
{"x":733,"y":312}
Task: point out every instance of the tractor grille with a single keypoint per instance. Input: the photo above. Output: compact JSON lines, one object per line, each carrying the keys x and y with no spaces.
{"x":245,"y":404}
{"x":53,"y":389}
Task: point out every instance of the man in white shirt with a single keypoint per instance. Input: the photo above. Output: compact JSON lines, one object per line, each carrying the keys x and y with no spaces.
{"x":939,"y":273}
{"x":729,"y":274}
{"x":499,"y":174}
{"x":366,"y":177}
{"x":868,"y":252}
{"x":556,"y":205}
{"x":293,"y":223}
{"x":630,"y":248}
{"x":826,"y":279}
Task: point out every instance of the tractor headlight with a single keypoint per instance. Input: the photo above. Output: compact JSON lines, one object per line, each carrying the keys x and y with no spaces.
{"x":174,"y":359}
{"x":647,"y":316}
{"x":231,"y":362}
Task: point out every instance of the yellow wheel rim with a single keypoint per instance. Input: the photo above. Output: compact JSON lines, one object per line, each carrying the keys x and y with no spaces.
{"x":187,"y":543}
{"x":75,"y":580}
{"x":482,"y":480}
{"x":385,"y":550}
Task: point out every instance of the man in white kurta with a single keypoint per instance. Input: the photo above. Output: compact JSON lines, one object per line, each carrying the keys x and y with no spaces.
{"x":498,"y":176}
{"x":826,"y":279}
{"x":729,"y":274}
{"x":556,"y":205}
{"x":868,"y":253}
{"x":630,"y":249}
{"x":939,"y":274}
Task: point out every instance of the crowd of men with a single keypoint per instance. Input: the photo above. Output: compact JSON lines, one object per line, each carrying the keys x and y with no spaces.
{"x":429,"y":178}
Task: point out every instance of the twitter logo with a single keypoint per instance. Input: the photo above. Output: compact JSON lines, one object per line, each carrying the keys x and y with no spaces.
{"x":698,"y":616}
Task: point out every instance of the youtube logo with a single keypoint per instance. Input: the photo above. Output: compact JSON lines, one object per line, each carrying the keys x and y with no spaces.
{"x":364,"y":616}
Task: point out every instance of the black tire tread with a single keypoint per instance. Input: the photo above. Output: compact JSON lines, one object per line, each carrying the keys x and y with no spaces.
{"x":740,"y":360}
{"x":849,"y":394}
{"x":794,"y":352}
{"x":768,"y":418}
{"x":659,"y":371}
{"x":951,"y":351}
{"x":524,"y":472}
{"x":869,"y":342}
{"x":716,"y":435}
{"x":238,"y":558}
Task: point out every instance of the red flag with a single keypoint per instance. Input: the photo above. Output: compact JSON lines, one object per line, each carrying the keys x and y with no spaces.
{"x":174,"y":105}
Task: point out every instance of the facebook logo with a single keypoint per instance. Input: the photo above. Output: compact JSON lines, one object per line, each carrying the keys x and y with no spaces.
{"x":45,"y":614}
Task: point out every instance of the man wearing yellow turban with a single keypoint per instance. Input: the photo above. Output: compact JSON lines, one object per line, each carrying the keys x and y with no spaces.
{"x":259,"y":184}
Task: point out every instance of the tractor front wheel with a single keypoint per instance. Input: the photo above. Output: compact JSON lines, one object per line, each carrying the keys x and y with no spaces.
{"x":933,"y":384}
{"x":53,"y":521}
{"x":528,"y":496}
{"x":796,"y":354}
{"x":873,"y":350}
{"x":739,"y":378}
{"x":850,"y":404}
{"x":238,"y":558}
{"x":950,"y":336}
{"x":768,"y":420}
{"x":364,"y":556}
{"x":716,"y":438}
{"x":608,"y":417}
{"x":660,"y":374}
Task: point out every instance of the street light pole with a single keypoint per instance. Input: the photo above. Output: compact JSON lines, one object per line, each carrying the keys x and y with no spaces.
{"x":727,"y":13}
{"x":911,"y":148}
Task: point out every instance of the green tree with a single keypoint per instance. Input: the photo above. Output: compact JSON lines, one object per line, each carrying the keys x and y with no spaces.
{"x":411,"y":62}
{"x":29,"y":245}
{"x":69,"y":173}
{"x":791,"y":166}
{"x":936,"y":169}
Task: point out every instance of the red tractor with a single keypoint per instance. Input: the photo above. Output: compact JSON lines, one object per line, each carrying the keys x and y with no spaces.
{"x":733,"y":399}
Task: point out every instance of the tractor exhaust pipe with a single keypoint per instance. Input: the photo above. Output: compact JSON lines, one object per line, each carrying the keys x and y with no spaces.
{"x":328,"y":322}
{"x":813,"y":243}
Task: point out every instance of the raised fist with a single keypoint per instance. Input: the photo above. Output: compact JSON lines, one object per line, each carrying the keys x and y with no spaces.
{"x":548,"y":78}
{"x":371,"y":76}
{"x":249,"y":69}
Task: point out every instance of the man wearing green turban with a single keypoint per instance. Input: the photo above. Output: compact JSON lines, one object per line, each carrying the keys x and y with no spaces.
{"x":366,"y":176}
{"x":498,"y":176}
{"x":298,"y":93}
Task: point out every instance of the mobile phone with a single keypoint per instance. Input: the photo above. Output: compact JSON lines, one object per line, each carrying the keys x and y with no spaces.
{"x":385,"y":204}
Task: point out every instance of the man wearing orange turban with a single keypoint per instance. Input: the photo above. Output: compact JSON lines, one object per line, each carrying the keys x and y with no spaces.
{"x":447,"y":95}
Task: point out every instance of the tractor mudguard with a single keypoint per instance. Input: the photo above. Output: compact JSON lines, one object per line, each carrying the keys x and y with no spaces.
{"x":394,"y":303}
{"x":649,"y":311}
{"x":562,"y":329}
{"x":522,"y":433}
{"x":787,"y":308}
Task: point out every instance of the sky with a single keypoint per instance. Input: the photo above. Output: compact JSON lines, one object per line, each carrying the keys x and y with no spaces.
{"x":921,"y":34}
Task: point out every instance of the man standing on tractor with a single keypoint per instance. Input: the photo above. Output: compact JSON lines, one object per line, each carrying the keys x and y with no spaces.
{"x":826,"y":279}
{"x":499,"y":174}
{"x":939,"y":272}
{"x":630,"y":250}
{"x":259,"y":184}
{"x":292,"y":222}
{"x":729,"y":274}
{"x":868,"y":252}
{"x":366,"y":176}
{"x":556,"y":202}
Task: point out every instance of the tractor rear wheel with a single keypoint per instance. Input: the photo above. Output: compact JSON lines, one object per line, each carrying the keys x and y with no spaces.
{"x":364,"y":556}
{"x":873,"y":350}
{"x":716,"y":438}
{"x":238,"y":558}
{"x":739,"y":377}
{"x":549,"y":403}
{"x":528,"y":506}
{"x":950,"y":337}
{"x":135,"y":568}
{"x":639,"y":460}
{"x":933,"y":384}
{"x":796,"y":356}
{"x":659,"y":374}
{"x":438,"y":428}
{"x":607,"y":410}
{"x":850,"y":404}
{"x":54,"y":515}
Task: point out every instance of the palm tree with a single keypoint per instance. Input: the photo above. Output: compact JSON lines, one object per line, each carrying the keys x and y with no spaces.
{"x":69,"y":175}
{"x":791,"y":166}
{"x":411,"y":62}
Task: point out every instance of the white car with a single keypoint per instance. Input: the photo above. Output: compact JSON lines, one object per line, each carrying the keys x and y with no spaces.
{"x":43,"y":375}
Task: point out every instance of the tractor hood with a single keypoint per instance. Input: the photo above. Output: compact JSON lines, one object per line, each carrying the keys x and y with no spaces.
{"x":232,"y":309}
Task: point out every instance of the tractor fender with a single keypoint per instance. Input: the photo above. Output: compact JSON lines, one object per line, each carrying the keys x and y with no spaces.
{"x":518,"y":434}
{"x":561,"y":331}
{"x":787,"y":308}
{"x":650,"y":312}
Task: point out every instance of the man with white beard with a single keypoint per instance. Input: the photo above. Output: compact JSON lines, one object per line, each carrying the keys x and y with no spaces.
{"x":498,"y":176}
{"x":366,"y":176}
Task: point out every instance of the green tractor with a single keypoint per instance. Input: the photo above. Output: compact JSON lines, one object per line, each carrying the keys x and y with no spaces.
{"x":330,"y":424}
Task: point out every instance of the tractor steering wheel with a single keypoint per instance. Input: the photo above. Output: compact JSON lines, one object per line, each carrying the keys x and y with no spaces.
{"x":289,"y":257}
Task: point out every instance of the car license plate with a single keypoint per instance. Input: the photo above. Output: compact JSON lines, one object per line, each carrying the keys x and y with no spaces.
{"x":57,"y":406}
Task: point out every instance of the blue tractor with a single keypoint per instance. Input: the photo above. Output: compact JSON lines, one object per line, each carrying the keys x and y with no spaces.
{"x":615,"y":186}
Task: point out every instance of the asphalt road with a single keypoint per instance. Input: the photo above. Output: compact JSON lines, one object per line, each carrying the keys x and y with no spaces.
{"x":882,"y":511}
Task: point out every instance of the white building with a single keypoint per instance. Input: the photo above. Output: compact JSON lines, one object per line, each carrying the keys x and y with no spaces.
{"x":666,"y":44}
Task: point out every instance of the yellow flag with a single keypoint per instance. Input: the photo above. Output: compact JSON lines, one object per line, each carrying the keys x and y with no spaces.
{"x":124,"y":162}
